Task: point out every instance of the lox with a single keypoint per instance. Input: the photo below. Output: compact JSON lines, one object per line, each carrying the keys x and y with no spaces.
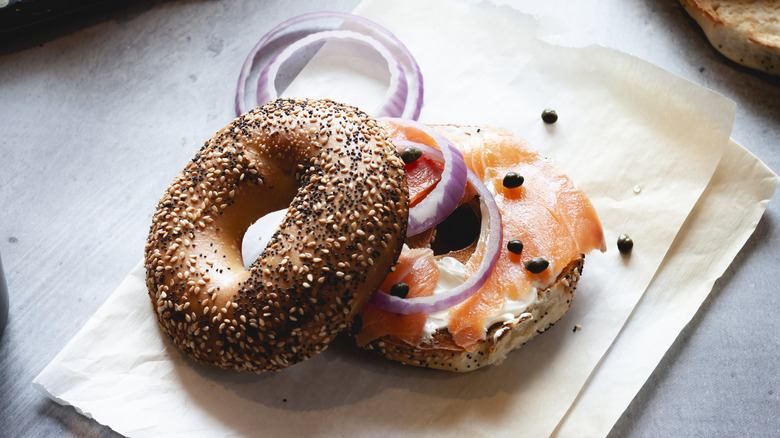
{"x":552,"y":218}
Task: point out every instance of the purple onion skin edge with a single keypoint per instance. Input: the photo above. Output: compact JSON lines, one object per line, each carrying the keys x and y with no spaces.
{"x":395,"y":44}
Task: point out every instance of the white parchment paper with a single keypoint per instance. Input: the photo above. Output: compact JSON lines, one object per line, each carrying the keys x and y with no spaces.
{"x":651,"y":150}
{"x":697,"y":258}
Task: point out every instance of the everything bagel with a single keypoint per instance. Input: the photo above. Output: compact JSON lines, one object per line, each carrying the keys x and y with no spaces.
{"x":344,"y":184}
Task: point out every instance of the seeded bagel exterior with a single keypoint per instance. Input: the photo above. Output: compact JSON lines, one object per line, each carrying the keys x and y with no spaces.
{"x":344,"y":184}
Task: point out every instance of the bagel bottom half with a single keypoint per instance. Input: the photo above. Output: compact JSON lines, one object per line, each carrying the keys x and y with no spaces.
{"x":552,"y":218}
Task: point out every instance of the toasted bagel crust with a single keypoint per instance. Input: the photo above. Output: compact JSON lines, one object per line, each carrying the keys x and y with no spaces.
{"x":747,"y":32}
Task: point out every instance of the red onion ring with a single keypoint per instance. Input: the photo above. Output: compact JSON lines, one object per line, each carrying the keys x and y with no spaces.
{"x":445,"y":197}
{"x":491,"y":224}
{"x":409,"y":106}
{"x":396,"y":93}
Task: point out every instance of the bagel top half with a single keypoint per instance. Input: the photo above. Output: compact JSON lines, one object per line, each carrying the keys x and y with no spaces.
{"x":345,"y":187}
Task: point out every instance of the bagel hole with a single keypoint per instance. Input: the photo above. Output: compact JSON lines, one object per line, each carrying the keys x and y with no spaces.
{"x":258,"y":235}
{"x":459,"y":231}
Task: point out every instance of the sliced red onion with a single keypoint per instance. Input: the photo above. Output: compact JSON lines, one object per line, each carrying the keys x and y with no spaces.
{"x":491,"y":224}
{"x":396,"y":93}
{"x":445,"y":197}
{"x":409,"y":106}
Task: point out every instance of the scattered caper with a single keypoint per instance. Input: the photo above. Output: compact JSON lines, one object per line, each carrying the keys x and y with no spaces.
{"x":513,"y":179}
{"x":410,"y":154}
{"x":549,"y":116}
{"x":625,"y":244}
{"x":536,"y":265}
{"x":400,"y":290}
{"x":515,"y":246}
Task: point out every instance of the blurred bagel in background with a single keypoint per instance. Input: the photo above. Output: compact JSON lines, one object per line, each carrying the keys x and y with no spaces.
{"x":745,"y":31}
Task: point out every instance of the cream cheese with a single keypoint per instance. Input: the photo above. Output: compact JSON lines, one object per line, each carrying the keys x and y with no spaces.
{"x":451,"y":274}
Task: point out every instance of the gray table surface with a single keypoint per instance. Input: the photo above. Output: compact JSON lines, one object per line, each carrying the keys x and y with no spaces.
{"x":98,"y":112}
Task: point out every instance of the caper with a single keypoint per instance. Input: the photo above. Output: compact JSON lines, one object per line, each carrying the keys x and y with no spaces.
{"x":515,"y":246}
{"x":513,"y":179}
{"x":536,"y":265}
{"x":400,"y":290}
{"x":549,"y":116}
{"x":410,"y":154}
{"x":625,"y":244}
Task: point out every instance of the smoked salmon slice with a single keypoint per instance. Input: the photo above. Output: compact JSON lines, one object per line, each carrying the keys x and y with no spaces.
{"x":417,"y":268}
{"x":548,"y":213}
{"x":421,"y":177}
{"x":423,"y":174}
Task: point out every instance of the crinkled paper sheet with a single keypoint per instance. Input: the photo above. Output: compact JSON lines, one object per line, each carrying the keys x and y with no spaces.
{"x":652,"y":151}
